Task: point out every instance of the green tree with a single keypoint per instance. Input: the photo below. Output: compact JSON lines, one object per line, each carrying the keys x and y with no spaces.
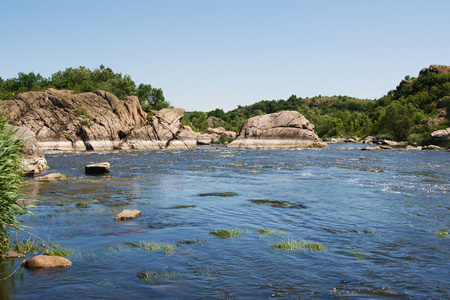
{"x":11,"y":169}
{"x":199,"y":121}
{"x":151,"y":98}
{"x":398,"y":119}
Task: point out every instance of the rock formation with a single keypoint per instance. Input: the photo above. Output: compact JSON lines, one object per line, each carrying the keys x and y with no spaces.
{"x":285,"y":129}
{"x":441,"y":135}
{"x":127,"y":214}
{"x":97,"y":169}
{"x":34,"y":159}
{"x":62,"y":120}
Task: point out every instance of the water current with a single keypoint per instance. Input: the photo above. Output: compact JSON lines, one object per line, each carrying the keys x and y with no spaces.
{"x":381,"y":216}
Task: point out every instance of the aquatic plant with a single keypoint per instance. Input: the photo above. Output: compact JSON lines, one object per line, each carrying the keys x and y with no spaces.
{"x":233,"y":232}
{"x":206,"y":272}
{"x":82,"y":205}
{"x":265,"y":231}
{"x":56,"y":250}
{"x":182,"y":206}
{"x":296,"y":245}
{"x":161,"y":247}
{"x":218,"y":195}
{"x":158,"y":278}
{"x":442,"y":233}
{"x":277,"y":203}
{"x":26,"y":246}
{"x":192,"y":242}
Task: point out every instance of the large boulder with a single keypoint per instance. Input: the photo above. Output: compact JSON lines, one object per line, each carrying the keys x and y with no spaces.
{"x":62,"y":120}
{"x":46,"y":261}
{"x":97,"y":169}
{"x":285,"y":129}
{"x":441,"y":135}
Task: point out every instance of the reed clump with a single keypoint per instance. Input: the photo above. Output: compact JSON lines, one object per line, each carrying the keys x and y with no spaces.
{"x":232,"y":232}
{"x":158,"y":277}
{"x":297,"y":245}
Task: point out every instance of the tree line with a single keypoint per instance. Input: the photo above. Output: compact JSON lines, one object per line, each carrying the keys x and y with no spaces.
{"x":81,"y":80}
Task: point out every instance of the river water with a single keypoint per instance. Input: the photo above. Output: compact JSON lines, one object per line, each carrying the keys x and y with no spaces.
{"x":382,"y":217}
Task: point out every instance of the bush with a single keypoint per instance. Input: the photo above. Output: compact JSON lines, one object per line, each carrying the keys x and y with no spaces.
{"x":11,"y":170}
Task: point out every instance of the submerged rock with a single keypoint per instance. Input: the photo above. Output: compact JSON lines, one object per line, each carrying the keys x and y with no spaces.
{"x":51,"y":176}
{"x":285,"y":129}
{"x":96,"y":169}
{"x":127,"y":214}
{"x":13,"y":254}
{"x":46,"y":261}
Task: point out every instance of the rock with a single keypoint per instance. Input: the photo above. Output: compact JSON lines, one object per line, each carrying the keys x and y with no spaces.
{"x":432,"y":147}
{"x":371,"y":148}
{"x":409,"y":147}
{"x":186,"y":138}
{"x":46,"y":261}
{"x":441,"y":135}
{"x":285,"y":129}
{"x":34,"y":160}
{"x":384,"y":147}
{"x":51,"y":176}
{"x":370,"y":140}
{"x":127,"y":214}
{"x":13,"y":254}
{"x":436,"y":69}
{"x":96,"y":169}
{"x":214,"y":121}
{"x":62,"y":120}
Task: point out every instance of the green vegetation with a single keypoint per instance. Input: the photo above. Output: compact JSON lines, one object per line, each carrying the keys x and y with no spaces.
{"x":277,"y":203}
{"x":56,"y":250}
{"x":265,"y":231}
{"x":401,"y":114}
{"x":182,"y":206}
{"x":192,"y":242}
{"x":158,"y":247}
{"x":218,"y":195}
{"x":206,"y":272}
{"x":30,"y":246}
{"x":11,"y":169}
{"x":82,"y":79}
{"x":158,"y":278}
{"x":82,"y":205}
{"x":296,"y":245}
{"x":443,"y":233}
{"x":233,"y":232}
{"x":26,"y":246}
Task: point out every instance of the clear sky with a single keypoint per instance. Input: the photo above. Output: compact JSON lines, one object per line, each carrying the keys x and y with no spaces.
{"x":220,"y":54}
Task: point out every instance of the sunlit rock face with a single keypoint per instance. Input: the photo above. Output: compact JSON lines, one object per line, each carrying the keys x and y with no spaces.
{"x":285,"y":129}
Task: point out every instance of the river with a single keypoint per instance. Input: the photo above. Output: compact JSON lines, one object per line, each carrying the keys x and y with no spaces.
{"x":382,"y":218}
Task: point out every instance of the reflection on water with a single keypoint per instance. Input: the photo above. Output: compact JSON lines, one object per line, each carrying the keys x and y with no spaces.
{"x":376,"y":213}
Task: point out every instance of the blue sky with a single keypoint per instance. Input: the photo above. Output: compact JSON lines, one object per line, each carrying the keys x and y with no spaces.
{"x":221,"y":54}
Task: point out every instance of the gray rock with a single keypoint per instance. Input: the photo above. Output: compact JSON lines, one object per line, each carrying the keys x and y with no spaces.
{"x":13,"y":254}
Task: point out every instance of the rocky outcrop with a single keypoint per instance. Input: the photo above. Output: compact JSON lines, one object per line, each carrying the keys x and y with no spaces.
{"x":62,"y":120}
{"x":34,"y":158}
{"x":285,"y":129}
{"x":441,"y":135}
{"x":46,"y":261}
{"x":215,"y":134}
{"x":436,"y":69}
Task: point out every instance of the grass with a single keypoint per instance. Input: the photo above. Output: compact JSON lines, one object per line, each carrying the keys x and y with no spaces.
{"x":109,"y":210}
{"x":206,"y":272}
{"x":297,"y":245}
{"x":56,"y":250}
{"x":278,"y":204}
{"x":26,"y":246}
{"x":265,"y":231}
{"x":218,"y":195}
{"x":158,"y":278}
{"x":233,"y":232}
{"x":159,"y":247}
